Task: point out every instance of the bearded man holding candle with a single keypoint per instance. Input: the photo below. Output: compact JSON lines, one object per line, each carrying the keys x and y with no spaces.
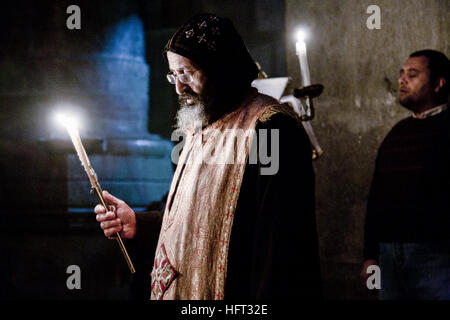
{"x":229,"y":230}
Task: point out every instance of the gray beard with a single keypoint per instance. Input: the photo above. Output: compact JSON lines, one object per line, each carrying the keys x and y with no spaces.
{"x":191,"y":117}
{"x":200,"y":114}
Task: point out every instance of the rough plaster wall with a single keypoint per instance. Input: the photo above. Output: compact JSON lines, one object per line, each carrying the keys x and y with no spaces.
{"x":359,"y":69}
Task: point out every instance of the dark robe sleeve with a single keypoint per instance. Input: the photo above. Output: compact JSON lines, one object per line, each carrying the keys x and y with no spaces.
{"x":274,"y":251}
{"x":142,"y":251}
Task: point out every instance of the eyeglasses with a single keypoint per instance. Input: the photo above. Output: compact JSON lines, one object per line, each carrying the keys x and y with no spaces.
{"x":184,"y":78}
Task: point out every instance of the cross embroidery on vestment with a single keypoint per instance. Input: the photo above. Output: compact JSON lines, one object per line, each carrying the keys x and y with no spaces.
{"x":162,"y":274}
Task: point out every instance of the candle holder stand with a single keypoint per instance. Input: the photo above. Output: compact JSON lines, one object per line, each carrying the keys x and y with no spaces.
{"x":307,"y":94}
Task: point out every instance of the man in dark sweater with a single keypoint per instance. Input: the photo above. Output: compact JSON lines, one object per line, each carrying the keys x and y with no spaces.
{"x":407,"y":229}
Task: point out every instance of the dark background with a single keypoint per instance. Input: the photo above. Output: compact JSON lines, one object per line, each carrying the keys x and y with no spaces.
{"x":112,"y":73}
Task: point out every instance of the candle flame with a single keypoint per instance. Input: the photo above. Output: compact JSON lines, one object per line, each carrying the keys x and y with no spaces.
{"x":67,"y":121}
{"x":301,"y":35}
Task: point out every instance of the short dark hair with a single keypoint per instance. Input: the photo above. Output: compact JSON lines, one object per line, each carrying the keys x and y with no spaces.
{"x":439,"y":66}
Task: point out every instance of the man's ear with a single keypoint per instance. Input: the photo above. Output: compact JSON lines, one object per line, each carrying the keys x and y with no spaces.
{"x":440,"y":83}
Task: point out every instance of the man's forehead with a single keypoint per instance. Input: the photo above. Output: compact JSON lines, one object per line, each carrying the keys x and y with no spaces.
{"x":178,"y":62}
{"x":417,"y":63}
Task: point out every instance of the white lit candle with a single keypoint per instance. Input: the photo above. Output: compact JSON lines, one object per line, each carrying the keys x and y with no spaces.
{"x":71,"y":126}
{"x":300,"y":48}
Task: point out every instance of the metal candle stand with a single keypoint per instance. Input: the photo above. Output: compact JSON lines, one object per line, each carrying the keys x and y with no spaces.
{"x":307,"y":94}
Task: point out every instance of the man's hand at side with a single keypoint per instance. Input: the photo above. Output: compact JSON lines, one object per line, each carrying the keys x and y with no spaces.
{"x":119,"y":217}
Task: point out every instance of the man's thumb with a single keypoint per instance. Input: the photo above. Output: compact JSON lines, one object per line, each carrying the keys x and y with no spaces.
{"x":110,"y":198}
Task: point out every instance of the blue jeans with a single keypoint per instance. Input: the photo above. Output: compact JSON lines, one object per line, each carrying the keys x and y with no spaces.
{"x":415,"y":271}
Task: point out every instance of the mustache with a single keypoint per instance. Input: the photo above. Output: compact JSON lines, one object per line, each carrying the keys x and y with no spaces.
{"x":182,"y":98}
